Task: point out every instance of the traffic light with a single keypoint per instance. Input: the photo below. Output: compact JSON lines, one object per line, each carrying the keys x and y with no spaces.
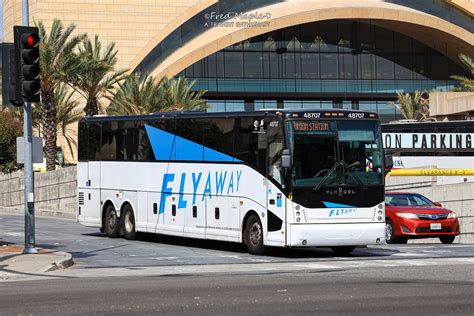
{"x":27,"y":68}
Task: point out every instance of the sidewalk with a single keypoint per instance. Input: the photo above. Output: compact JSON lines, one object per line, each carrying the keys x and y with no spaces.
{"x":16,"y":265}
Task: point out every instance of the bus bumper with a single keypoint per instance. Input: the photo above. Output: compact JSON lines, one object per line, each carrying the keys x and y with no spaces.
{"x":354,"y":234}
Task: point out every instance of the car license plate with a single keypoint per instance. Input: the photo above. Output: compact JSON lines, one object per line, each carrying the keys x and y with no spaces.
{"x":435,"y":226}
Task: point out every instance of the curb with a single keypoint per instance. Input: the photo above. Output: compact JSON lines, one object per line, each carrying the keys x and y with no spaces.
{"x":63,"y":263}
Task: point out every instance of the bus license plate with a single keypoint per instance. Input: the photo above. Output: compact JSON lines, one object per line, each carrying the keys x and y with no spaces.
{"x":435,"y":226}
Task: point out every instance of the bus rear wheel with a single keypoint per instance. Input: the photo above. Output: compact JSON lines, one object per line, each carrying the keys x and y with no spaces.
{"x":128,"y":222}
{"x":254,"y":235}
{"x":112,"y":224}
{"x":343,"y":250}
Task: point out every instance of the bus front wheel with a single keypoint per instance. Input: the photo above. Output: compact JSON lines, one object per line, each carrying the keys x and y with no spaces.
{"x":111,"y":222}
{"x":254,"y":235}
{"x":128,"y":222}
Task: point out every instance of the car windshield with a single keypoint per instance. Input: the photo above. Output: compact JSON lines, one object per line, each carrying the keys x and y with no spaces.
{"x":407,"y":200}
{"x":336,"y":153}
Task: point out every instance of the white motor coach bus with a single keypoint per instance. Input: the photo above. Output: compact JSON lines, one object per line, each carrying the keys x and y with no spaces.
{"x":271,"y":178}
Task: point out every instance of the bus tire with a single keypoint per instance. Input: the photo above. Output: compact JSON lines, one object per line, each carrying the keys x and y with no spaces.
{"x":128,"y":222}
{"x":342,"y":250}
{"x":254,"y":235}
{"x":112,"y":222}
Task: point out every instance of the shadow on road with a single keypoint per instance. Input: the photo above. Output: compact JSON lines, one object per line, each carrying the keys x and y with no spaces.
{"x":240,"y":248}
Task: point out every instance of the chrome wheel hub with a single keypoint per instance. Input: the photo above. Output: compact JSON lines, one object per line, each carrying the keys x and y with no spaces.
{"x":255,"y":234}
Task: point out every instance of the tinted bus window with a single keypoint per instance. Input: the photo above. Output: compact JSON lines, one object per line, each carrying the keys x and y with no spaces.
{"x":219,"y":135}
{"x":89,"y":141}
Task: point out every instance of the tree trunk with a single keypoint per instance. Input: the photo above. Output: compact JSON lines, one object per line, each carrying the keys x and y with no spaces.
{"x":49,"y":128}
{"x":92,"y":107}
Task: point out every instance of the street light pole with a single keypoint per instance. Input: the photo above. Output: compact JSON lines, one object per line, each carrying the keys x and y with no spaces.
{"x":29,"y":192}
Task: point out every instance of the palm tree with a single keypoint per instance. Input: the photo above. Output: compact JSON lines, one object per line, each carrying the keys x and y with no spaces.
{"x":179,"y":96}
{"x":413,"y":106}
{"x":135,"y":95}
{"x":96,"y":76}
{"x":67,"y":113}
{"x":56,"y":55}
{"x":467,"y":84}
{"x":143,"y":96}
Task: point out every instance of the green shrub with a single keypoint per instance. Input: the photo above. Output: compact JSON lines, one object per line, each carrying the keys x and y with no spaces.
{"x":10,"y":129}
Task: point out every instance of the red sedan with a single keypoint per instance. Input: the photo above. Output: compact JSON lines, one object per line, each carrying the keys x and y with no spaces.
{"x":411,"y":215}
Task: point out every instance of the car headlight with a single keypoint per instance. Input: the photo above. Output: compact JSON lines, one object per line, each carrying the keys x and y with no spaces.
{"x":406,"y":215}
{"x":452,"y":215}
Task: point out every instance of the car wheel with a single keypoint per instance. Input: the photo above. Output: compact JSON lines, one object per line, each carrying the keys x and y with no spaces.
{"x":389,"y":232}
{"x":342,"y":250}
{"x":254,"y":235}
{"x":128,"y":222}
{"x":447,"y":239}
{"x":111,"y":222}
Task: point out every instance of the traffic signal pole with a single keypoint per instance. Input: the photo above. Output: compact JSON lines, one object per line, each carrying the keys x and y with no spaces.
{"x":29,"y":191}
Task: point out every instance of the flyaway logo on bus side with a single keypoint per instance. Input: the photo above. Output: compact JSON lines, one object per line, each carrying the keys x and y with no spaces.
{"x":169,"y":147}
{"x":339,"y":209}
{"x":210,"y":184}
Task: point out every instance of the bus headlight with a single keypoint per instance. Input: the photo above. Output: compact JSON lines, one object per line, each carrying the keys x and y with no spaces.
{"x":406,"y":215}
{"x":452,"y":215}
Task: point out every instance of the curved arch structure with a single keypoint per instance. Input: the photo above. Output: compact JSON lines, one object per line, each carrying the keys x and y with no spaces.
{"x":450,"y":35}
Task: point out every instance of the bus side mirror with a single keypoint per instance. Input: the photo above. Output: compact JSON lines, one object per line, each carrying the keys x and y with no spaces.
{"x":285,"y":158}
{"x":388,"y":161}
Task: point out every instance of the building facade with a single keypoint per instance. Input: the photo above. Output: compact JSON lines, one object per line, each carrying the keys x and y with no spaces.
{"x":256,"y":54}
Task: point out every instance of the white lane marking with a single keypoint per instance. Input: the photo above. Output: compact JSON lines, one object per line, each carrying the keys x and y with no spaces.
{"x":316,"y":266}
{"x":410,"y":254}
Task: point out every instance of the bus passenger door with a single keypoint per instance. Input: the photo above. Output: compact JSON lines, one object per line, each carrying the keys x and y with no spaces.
{"x":276,"y":201}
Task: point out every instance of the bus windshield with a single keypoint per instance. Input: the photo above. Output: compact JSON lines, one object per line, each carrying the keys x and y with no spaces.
{"x":336,"y":153}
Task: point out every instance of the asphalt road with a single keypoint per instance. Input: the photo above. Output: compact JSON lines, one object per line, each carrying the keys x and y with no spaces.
{"x":416,"y":290}
{"x":91,"y":249}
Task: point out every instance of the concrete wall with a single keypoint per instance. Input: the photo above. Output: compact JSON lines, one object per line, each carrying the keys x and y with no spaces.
{"x":55,"y":192}
{"x":458,"y":197}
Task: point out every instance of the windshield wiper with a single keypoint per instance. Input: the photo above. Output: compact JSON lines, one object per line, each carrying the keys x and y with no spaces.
{"x":339,"y":163}
{"x":359,"y":181}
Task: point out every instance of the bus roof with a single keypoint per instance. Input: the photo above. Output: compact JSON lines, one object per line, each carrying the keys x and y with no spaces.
{"x":324,"y":113}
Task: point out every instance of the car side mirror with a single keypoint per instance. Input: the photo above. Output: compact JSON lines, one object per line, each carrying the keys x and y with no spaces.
{"x":388,"y":161}
{"x":286,"y":158}
{"x":438,"y":204}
